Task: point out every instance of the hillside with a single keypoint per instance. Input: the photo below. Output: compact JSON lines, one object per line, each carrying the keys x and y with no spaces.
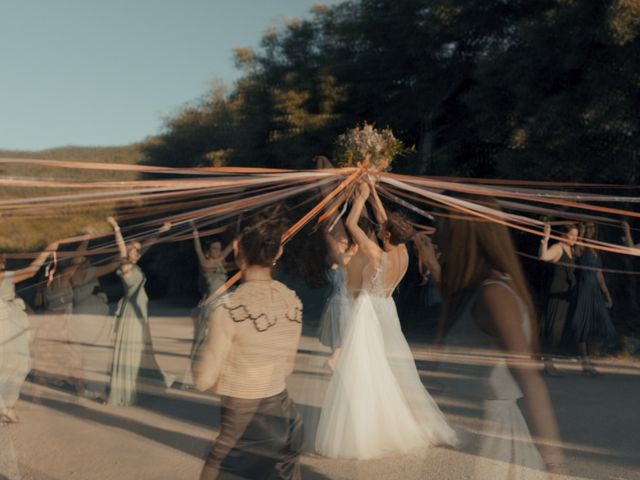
{"x":30,"y":234}
{"x":119,"y":154}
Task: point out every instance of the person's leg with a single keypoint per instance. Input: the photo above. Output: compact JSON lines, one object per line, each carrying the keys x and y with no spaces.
{"x":235,"y":416}
{"x":587,"y":366}
{"x":288,"y":466}
{"x":333,"y":359}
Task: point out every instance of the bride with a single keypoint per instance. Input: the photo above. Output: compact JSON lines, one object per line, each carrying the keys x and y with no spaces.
{"x":375,"y":402}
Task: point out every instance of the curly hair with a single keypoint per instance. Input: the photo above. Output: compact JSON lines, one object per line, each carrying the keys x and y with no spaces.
{"x":399,"y":228}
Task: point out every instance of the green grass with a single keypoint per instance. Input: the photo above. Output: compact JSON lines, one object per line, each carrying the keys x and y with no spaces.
{"x":31,"y":234}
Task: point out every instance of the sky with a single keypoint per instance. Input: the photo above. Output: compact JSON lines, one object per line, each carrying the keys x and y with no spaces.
{"x":107,"y":72}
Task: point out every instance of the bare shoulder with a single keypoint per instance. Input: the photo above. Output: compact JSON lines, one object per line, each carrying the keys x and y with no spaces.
{"x":556,"y":249}
{"x":500,"y":299}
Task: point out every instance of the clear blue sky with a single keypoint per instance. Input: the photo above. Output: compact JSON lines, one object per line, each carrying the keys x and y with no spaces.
{"x":106,"y":72}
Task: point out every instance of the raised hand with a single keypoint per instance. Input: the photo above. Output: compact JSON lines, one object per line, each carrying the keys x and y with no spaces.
{"x":112,"y":221}
{"x":547,"y":230}
{"x":370,"y":181}
{"x":166,"y":226}
{"x":363,"y":190}
{"x":53,"y":246}
{"x":427,"y":247}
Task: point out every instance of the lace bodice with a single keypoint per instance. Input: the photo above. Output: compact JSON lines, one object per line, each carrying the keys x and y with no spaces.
{"x":375,"y":284}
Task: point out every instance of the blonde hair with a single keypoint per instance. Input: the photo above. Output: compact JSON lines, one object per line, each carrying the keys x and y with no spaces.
{"x":472,"y":248}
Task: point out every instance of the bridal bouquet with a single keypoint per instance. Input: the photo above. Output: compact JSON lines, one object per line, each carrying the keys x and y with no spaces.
{"x":368,"y":146}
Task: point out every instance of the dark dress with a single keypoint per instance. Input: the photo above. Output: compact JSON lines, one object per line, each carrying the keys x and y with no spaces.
{"x":559,"y":302}
{"x":337,"y":311}
{"x":590,"y":318}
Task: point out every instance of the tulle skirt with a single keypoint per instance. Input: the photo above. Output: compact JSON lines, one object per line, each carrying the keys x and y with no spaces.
{"x":376,"y":403}
{"x":334,"y":320}
{"x":591,"y":317}
{"x":505,"y":450}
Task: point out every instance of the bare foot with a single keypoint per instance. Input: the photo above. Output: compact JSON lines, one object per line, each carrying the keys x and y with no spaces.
{"x":9,"y":415}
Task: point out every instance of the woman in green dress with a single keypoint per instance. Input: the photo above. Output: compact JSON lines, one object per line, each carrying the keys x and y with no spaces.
{"x":134,"y":366}
{"x":212,"y":270}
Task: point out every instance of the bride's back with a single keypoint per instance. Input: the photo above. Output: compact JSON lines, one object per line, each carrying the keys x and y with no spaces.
{"x":354,"y":273}
{"x":382,"y":279}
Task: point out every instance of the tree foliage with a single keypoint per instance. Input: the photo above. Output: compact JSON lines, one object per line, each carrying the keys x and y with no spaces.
{"x":544,"y":89}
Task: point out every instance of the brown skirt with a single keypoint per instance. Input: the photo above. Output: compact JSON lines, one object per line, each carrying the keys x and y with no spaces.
{"x":259,"y":438}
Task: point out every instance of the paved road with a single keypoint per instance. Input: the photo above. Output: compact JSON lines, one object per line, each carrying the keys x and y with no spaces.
{"x":167,"y":437}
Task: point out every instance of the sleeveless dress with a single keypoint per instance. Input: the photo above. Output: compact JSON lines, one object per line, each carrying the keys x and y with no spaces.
{"x":590,"y":318}
{"x":214,"y":277}
{"x":53,"y":351}
{"x":559,"y":302}
{"x":503,"y":448}
{"x":376,"y":403}
{"x":337,"y":310}
{"x":134,"y":367}
{"x":15,"y":356}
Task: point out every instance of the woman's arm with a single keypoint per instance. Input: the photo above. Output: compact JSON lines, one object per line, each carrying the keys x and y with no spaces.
{"x":150,"y":242}
{"x":227,"y":250}
{"x":628,"y":238}
{"x":549,"y":254}
{"x":207,"y":369}
{"x":370,"y":248}
{"x":202,"y":260}
{"x":427,"y":254}
{"x":107,"y":268}
{"x":378,"y":209}
{"x":505,"y":323}
{"x":28,"y":272}
{"x":122,"y":248}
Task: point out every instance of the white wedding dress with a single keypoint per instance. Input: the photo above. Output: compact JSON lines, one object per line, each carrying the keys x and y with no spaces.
{"x":376,"y":403}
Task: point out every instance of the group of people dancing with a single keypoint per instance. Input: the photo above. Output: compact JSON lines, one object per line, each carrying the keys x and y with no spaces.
{"x":75,"y":320}
{"x":245,"y":342}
